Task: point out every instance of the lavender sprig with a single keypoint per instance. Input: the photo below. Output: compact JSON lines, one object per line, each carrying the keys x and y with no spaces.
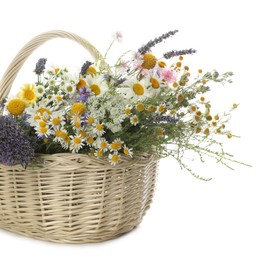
{"x":147,"y":47}
{"x":173,"y":53}
{"x":85,"y":67}
{"x":40,"y":66}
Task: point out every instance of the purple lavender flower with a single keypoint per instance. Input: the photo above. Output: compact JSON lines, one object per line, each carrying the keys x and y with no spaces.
{"x":173,"y":53}
{"x":84,"y":94}
{"x":85,"y":67}
{"x":16,"y":147}
{"x":40,"y":66}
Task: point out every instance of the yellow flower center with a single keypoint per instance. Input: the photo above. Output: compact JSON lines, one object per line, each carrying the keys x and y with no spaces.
{"x":140,"y":107}
{"x":116,"y":145}
{"x":59,"y":98}
{"x":229,"y":135}
{"x":155,"y":83}
{"x":149,"y":61}
{"x":95,"y":88}
{"x":42,"y":123}
{"x":29,"y":94}
{"x":81,"y":84}
{"x":99,"y":127}
{"x":100,"y":153}
{"x":127,"y":111}
{"x":77,"y":140}
{"x":115,"y":158}
{"x":69,"y":88}
{"x":43,"y":130}
{"x":56,"y":121}
{"x":103,"y":145}
{"x":193,"y":108}
{"x":138,"y":89}
{"x":36,"y":118}
{"x":78,"y":109}
{"x":77,"y":124}
{"x":135,"y":119}
{"x":16,"y":107}
{"x":151,"y":108}
{"x":161,"y":109}
{"x":58,"y":133}
{"x":43,"y":110}
{"x":82,"y":133}
{"x":91,"y":120}
{"x":175,"y":84}
{"x":90,"y":140}
{"x":126,"y":151}
{"x":172,"y":112}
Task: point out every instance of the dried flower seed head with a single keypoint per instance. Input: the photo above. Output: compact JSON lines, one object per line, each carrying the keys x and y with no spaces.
{"x":149,"y":61}
{"x":206,"y":131}
{"x":186,"y":68}
{"x":229,"y":135}
{"x":209,"y":118}
{"x":216,"y":117}
{"x":162,"y":64}
{"x":16,"y":106}
{"x":199,"y":71}
{"x":180,"y":98}
{"x":178,"y":64}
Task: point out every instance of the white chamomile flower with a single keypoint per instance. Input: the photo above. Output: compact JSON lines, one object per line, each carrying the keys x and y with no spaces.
{"x":102,"y":144}
{"x":116,"y":145}
{"x":135,"y":89}
{"x":39,"y":90}
{"x":134,"y":120}
{"x":155,"y":84}
{"x":44,"y":131}
{"x":76,"y":122}
{"x":90,"y":140}
{"x":128,"y":110}
{"x":57,"y":119}
{"x":98,"y":129}
{"x":161,"y":109}
{"x":114,"y":158}
{"x":127,"y":151}
{"x":97,"y":84}
{"x":76,"y":143}
{"x":99,"y":153}
{"x":69,"y":89}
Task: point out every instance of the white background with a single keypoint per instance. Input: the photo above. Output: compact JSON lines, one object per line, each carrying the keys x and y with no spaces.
{"x":189,"y":219}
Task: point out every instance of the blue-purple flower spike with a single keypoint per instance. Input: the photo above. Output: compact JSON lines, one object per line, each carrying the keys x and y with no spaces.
{"x":171,"y":54}
{"x":40,"y":66}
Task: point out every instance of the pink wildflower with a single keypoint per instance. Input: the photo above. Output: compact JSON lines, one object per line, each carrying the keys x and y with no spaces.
{"x":118,"y":36}
{"x":169,"y":75}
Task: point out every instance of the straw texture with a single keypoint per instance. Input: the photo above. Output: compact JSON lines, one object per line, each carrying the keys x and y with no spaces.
{"x":75,"y":198}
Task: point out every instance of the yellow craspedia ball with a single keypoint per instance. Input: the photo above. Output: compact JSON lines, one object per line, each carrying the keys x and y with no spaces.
{"x":78,"y":108}
{"x":149,"y":61}
{"x":16,"y":106}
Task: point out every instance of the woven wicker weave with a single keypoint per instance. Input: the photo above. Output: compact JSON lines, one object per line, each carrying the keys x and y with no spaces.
{"x":73,"y":198}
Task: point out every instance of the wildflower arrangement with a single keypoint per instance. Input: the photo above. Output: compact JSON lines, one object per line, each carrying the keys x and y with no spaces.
{"x":141,"y":104}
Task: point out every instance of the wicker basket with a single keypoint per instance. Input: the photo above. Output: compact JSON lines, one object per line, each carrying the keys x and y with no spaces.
{"x":73,"y":198}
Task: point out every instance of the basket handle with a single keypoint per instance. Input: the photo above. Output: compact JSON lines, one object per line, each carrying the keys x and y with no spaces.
{"x":13,"y":69}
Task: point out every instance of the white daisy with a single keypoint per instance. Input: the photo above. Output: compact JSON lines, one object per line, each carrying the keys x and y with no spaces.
{"x":135,"y":89}
{"x":127,"y":151}
{"x":116,"y":145}
{"x":98,"y":129}
{"x":97,"y":84}
{"x":114,"y":158}
{"x":76,"y":143}
{"x":57,"y":119}
{"x":102,"y":144}
{"x":134,"y":120}
{"x":69,"y":89}
{"x":155,"y":84}
{"x":43,"y":131}
{"x":39,"y":90}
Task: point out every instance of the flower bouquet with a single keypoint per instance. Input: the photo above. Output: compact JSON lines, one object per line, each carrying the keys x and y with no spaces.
{"x":102,"y":124}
